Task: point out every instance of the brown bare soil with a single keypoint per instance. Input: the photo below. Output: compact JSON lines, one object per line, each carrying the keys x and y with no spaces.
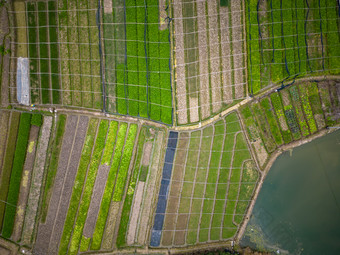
{"x":72,"y":168}
{"x":193,"y":104}
{"x":261,"y":152}
{"x":45,"y":230}
{"x":20,"y":20}
{"x":226,"y":55}
{"x":320,"y":121}
{"x":4,"y":122}
{"x":214,"y":41}
{"x":179,"y":64}
{"x":203,"y":60}
{"x":135,"y":213}
{"x":96,"y":199}
{"x":181,"y":226}
{"x":237,"y":35}
{"x":25,"y":182}
{"x":150,"y":196}
{"x":162,"y":15}
{"x":107,"y":6}
{"x":147,"y":153}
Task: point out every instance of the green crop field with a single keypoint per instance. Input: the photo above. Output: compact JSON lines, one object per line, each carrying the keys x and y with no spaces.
{"x":290,"y":39}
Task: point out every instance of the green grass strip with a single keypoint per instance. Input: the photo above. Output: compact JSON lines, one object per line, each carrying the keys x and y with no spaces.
{"x":314,"y":98}
{"x":110,"y":143}
{"x":288,"y":31}
{"x":88,"y":187}
{"x":125,"y":163}
{"x":53,"y":165}
{"x":33,"y":51}
{"x":105,"y":204}
{"x":307,"y":108}
{"x":125,"y":216}
{"x":333,"y":39}
{"x":36,"y":120}
{"x":301,"y":35}
{"x":44,"y":56}
{"x":14,"y":184}
{"x":298,"y":109}
{"x":271,"y":119}
{"x":54,"y":63}
{"x":84,"y":244}
{"x":264,"y":128}
{"x":8,"y":162}
{"x":277,"y":104}
{"x":278,"y":65}
{"x":78,"y":185}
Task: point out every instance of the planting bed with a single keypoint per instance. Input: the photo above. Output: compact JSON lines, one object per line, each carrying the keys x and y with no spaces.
{"x":209,"y":59}
{"x":287,"y":39}
{"x":290,"y":114}
{"x":207,"y":183}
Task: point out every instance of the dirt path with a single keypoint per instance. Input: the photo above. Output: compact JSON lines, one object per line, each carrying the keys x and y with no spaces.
{"x":203,"y":60}
{"x":45,"y":230}
{"x":72,"y":168}
{"x":237,"y":38}
{"x":214,"y":41}
{"x":25,"y":182}
{"x":179,"y":64}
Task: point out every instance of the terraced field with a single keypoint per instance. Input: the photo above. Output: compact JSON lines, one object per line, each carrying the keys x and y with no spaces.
{"x":209,"y":57}
{"x":290,"y":39}
{"x":291,"y":114}
{"x":208,"y":180}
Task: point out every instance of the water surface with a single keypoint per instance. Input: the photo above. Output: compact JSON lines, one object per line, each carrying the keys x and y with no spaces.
{"x":298,"y":207}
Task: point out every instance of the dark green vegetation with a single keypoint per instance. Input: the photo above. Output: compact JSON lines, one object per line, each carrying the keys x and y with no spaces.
{"x":287,"y":39}
{"x":292,"y":113}
{"x":14,"y":184}
{"x":137,"y":55}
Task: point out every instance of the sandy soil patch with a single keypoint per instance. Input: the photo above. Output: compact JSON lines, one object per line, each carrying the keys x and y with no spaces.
{"x":237,"y":35}
{"x":96,"y":199}
{"x":107,"y":6}
{"x":226,"y":58}
{"x":25,"y":183}
{"x":135,"y":213}
{"x":149,"y":199}
{"x":261,"y":152}
{"x":45,"y":230}
{"x":68,"y":183}
{"x":203,"y":60}
{"x":180,"y":69}
{"x":147,"y":153}
{"x":110,"y":226}
{"x":193,"y":102}
{"x":214,"y":41}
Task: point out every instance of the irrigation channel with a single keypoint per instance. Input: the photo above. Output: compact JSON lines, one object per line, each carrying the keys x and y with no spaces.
{"x":297,"y":210}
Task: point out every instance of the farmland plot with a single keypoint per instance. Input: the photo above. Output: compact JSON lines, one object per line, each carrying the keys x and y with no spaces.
{"x":290,"y":114}
{"x":137,"y":59}
{"x":289,"y":39}
{"x":210,"y":180}
{"x":63,"y":50}
{"x":209,"y":57}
